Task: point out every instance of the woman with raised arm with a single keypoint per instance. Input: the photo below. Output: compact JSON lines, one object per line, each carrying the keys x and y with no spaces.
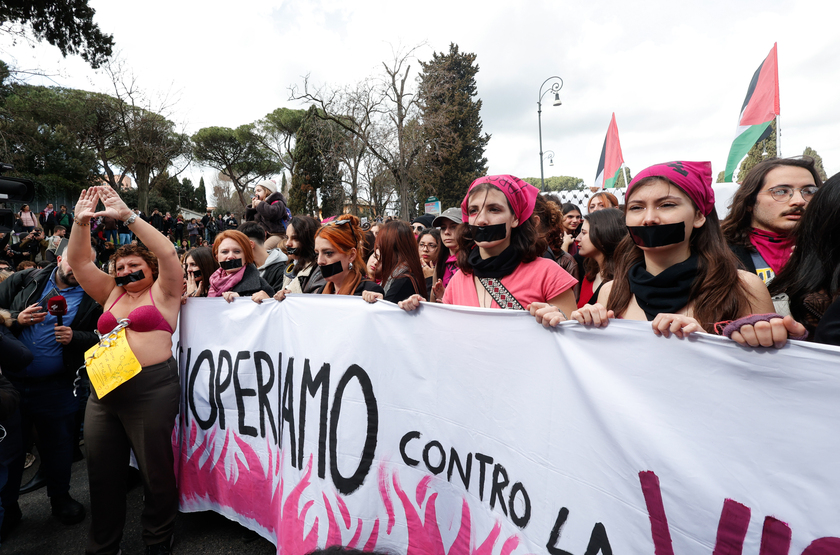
{"x":500,"y":253}
{"x":675,"y":270}
{"x":143,"y":294}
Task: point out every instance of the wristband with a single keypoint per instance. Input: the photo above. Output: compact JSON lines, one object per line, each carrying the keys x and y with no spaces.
{"x":752,"y":319}
{"x":77,"y":222}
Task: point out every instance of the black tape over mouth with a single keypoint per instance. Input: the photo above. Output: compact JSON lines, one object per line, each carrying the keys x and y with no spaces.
{"x":329,"y":270}
{"x":130,"y":278}
{"x":652,"y":236}
{"x":488,"y":233}
{"x":231,"y":264}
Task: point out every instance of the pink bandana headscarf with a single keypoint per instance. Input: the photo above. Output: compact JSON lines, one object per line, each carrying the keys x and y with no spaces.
{"x":522,"y":196}
{"x":694,"y":178}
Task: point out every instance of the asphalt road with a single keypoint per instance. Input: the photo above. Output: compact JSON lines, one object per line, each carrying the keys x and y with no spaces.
{"x":203,"y":533}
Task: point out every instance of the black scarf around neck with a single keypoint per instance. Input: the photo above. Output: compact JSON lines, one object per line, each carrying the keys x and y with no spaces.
{"x":497,"y":266}
{"x":667,"y":292}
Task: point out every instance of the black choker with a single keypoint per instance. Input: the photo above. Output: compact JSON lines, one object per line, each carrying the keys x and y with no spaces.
{"x":668,"y":292}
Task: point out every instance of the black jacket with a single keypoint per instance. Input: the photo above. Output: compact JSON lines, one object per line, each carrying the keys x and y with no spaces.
{"x":368,"y":285}
{"x":274,"y":274}
{"x":14,"y":356}
{"x":271,"y":213}
{"x":157,"y":221}
{"x":828,"y":330}
{"x":27,"y":287}
{"x":252,"y":282}
{"x":400,"y":289}
{"x":9,"y":398}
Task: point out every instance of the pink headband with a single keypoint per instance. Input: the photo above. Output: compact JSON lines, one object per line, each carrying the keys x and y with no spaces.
{"x":694,"y":178}
{"x":522,"y":196}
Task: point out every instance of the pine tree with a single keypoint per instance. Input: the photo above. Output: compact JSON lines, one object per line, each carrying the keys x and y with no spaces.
{"x":308,"y":175}
{"x":455,"y":142}
{"x":200,"y":196}
{"x":624,"y":177}
{"x":762,"y":150}
{"x":818,"y":162}
{"x":332,"y":188}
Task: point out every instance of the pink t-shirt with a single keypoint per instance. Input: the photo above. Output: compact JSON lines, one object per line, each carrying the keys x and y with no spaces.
{"x":537,"y":281}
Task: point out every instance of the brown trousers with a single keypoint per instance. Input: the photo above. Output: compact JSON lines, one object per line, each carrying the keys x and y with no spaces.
{"x":140,"y":415}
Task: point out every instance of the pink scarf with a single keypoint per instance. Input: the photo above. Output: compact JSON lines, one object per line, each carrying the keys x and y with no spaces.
{"x":451,"y":268}
{"x":774,"y":248}
{"x":221,"y":281}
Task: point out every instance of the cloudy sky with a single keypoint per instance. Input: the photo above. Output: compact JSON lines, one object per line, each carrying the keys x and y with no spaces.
{"x":675,"y":73}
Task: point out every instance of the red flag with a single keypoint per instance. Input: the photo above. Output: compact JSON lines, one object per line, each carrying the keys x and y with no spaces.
{"x":611,"y":158}
{"x":761,"y":106}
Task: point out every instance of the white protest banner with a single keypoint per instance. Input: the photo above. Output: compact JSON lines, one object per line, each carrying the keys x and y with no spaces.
{"x":323,"y":420}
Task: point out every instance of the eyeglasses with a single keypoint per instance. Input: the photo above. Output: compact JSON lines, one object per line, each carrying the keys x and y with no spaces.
{"x":418,"y":227}
{"x":428,"y":246}
{"x":784,"y":193}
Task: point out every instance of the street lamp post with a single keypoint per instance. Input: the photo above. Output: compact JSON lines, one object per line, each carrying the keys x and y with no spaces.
{"x":555,"y":88}
{"x":550,"y":155}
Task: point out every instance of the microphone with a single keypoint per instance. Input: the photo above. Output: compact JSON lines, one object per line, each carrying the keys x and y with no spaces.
{"x":58,"y":308}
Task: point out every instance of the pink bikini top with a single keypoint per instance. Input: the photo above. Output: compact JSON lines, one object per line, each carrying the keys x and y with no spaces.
{"x":143,"y":318}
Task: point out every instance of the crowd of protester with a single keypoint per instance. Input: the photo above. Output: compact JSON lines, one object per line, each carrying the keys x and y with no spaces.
{"x":662,"y":257}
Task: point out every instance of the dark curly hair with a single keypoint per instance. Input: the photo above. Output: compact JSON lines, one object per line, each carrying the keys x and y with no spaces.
{"x":133,"y":249}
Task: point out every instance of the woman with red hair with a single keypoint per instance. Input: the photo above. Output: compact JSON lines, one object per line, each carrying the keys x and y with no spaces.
{"x":601,"y":201}
{"x":338,"y":248}
{"x":237,"y":275}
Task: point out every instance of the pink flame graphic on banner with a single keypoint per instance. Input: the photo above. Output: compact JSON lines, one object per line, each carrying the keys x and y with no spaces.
{"x":424,"y":536}
{"x":255,"y":491}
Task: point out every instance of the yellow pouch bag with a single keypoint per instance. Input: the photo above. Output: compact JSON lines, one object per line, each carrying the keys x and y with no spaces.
{"x":111,"y":362}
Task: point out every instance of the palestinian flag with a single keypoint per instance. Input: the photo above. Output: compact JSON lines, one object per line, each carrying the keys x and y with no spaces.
{"x":611,"y":159}
{"x":760,"y":108}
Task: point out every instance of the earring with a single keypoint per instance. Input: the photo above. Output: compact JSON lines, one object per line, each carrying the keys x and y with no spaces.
{"x":350,"y":266}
